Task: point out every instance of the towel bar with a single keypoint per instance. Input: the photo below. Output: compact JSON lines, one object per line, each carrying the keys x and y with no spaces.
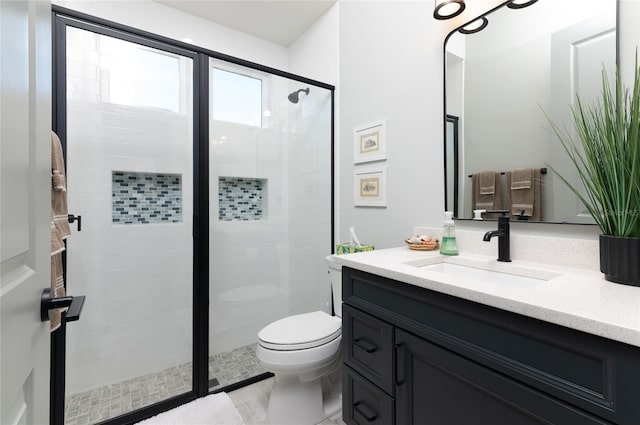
{"x":543,"y":170}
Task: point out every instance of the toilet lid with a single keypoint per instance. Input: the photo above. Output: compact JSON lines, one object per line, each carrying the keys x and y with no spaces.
{"x":301,"y":331}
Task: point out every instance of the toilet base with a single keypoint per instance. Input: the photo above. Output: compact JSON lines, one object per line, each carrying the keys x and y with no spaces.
{"x":293,"y":402}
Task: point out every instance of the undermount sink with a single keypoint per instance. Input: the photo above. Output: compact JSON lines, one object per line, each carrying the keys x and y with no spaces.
{"x":475,"y":269}
{"x":481,"y":274}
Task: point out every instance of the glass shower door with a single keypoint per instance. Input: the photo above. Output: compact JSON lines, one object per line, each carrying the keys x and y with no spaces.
{"x":130,"y":176}
{"x":270,"y":210}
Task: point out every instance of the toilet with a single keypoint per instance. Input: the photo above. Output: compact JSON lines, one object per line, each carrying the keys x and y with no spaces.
{"x":304,"y":354}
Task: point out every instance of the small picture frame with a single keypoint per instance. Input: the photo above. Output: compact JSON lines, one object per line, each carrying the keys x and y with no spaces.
{"x":370,"y":186}
{"x":370,"y":142}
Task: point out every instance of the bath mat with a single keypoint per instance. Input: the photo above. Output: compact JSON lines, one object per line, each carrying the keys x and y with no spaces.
{"x":216,"y":409}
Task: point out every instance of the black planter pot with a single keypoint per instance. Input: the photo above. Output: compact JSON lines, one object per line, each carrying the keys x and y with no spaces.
{"x":620,"y":259}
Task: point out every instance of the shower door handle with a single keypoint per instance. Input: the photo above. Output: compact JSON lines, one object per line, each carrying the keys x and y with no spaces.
{"x":72,"y":218}
{"x":75,"y":309}
{"x":49,"y":302}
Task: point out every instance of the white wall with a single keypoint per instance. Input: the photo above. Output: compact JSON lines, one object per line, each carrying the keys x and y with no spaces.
{"x":159,"y":19}
{"x":391,"y":66}
{"x":315,"y":55}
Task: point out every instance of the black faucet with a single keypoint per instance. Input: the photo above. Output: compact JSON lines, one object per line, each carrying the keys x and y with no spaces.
{"x":502,"y":233}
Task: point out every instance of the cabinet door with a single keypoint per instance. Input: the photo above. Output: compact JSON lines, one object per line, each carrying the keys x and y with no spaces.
{"x":434,"y":386}
{"x":368,"y":346}
{"x":362,"y":402}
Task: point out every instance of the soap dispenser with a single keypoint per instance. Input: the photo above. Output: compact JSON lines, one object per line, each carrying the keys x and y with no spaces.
{"x":448,"y":246}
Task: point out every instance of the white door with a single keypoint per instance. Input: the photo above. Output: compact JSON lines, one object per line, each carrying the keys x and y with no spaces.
{"x":578,"y":55}
{"x":25,"y":205}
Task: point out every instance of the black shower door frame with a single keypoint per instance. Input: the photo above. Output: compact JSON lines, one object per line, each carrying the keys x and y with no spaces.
{"x":63,"y":17}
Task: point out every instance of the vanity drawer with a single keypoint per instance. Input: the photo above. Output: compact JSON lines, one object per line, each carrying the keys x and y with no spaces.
{"x":364,"y":403}
{"x":368,"y":346}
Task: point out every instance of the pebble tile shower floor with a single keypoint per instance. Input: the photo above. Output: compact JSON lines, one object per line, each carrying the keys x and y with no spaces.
{"x":100,"y":404}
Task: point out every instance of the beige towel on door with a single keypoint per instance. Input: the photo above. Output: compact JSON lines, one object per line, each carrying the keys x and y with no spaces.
{"x":57,"y":285}
{"x":525,"y":192}
{"x":487,"y":192}
{"x":59,"y":188}
{"x":59,"y":224}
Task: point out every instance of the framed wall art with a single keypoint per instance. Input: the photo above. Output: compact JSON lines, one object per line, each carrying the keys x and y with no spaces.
{"x":370,"y":186}
{"x":370,"y":142}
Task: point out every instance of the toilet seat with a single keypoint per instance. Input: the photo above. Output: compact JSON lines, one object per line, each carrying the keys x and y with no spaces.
{"x":300,"y":332}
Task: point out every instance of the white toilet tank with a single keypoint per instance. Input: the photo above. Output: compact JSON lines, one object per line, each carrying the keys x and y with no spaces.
{"x":335,"y":274}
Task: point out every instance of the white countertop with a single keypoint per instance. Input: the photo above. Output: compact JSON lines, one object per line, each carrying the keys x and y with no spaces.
{"x":575,"y":298}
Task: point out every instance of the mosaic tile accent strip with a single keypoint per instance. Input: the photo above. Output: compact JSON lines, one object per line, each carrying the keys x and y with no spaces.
{"x":241,"y":199}
{"x":142,"y":198}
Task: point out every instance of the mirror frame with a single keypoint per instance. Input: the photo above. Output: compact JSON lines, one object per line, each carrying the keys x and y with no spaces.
{"x":446,"y":116}
{"x":451,"y":123}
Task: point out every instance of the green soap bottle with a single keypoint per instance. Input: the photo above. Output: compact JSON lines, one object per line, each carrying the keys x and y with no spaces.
{"x":448,"y":245}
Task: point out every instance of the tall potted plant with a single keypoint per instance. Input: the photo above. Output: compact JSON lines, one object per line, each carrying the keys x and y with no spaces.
{"x":607,"y":159}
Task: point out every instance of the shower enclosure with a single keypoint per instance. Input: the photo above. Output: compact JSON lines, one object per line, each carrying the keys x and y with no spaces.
{"x":270,"y":209}
{"x":205,"y":188}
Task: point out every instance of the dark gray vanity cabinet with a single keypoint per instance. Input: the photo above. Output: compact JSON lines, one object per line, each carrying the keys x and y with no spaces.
{"x":414,"y":356}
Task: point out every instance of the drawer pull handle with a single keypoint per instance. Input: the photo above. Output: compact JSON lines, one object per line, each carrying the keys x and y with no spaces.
{"x":365,"y":345}
{"x":401,"y":353}
{"x":366,"y":412}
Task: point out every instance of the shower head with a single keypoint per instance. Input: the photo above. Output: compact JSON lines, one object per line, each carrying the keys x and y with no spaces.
{"x":295,"y":96}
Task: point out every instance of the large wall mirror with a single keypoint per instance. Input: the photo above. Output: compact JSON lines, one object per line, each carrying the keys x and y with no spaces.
{"x":500,"y":84}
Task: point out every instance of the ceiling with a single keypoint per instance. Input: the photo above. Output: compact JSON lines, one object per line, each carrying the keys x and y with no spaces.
{"x":281,"y":22}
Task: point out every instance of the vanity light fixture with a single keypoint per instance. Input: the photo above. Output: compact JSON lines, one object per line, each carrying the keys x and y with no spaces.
{"x":475,"y":26}
{"x":446,"y":9}
{"x":520,"y":4}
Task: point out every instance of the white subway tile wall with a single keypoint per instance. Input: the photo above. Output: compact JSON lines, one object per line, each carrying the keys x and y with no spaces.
{"x":137,"y":279}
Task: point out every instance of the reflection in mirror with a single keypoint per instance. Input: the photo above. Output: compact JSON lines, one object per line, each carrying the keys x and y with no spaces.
{"x":500,"y":82}
{"x":451,"y":165}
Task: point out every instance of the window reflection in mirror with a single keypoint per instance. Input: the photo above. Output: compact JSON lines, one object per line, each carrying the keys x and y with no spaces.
{"x":502,"y":81}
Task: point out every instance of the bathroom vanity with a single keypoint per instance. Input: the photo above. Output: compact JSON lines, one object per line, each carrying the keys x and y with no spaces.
{"x":428,"y":342}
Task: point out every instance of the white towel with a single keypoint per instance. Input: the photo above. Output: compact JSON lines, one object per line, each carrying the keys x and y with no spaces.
{"x":216,"y":409}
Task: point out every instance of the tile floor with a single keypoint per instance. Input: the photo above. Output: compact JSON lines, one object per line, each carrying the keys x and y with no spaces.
{"x":235,"y":366}
{"x":100,"y":404}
